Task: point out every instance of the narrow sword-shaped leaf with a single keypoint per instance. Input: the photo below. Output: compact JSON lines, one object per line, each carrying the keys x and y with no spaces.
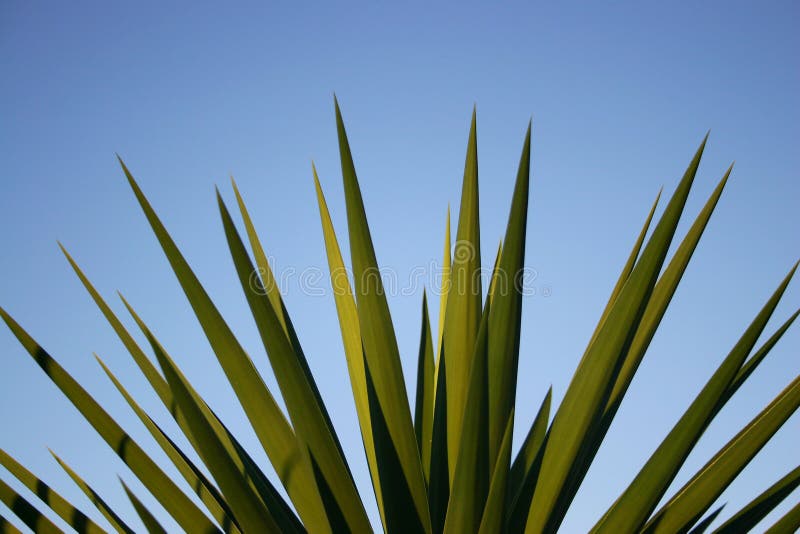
{"x":308,"y":415}
{"x":439,"y":485}
{"x":463,"y":310}
{"x":280,"y":511}
{"x":272,"y":290}
{"x":653,"y":313}
{"x":148,"y":519}
{"x":506,"y":311}
{"x":248,"y":509}
{"x":494,"y":511}
{"x":301,"y":494}
{"x":423,"y":407}
{"x":185,"y":512}
{"x":787,"y":524}
{"x":697,"y":495}
{"x":471,"y":482}
{"x":752,"y":362}
{"x":203,"y":488}
{"x":378,"y":336}
{"x":270,"y":425}
{"x":63,"y":508}
{"x":6,"y":527}
{"x":703,"y":525}
{"x":351,"y":339}
{"x":25,"y":511}
{"x":446,"y":282}
{"x":757,"y":509}
{"x":627,"y":268}
{"x":530,"y":447}
{"x":588,"y":391}
{"x":108,"y":512}
{"x":640,"y":498}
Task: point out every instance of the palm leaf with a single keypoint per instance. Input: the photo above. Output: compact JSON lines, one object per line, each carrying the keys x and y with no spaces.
{"x":380,"y":346}
{"x":588,"y":391}
{"x":787,"y":524}
{"x":308,"y":415}
{"x":697,"y":495}
{"x":63,"y":508}
{"x":112,"y":517}
{"x":423,"y":407}
{"x":203,"y":488}
{"x":266,"y":418}
{"x":148,"y":519}
{"x":506,"y":310}
{"x":642,"y":495}
{"x":463,"y":310}
{"x":757,"y":509}
{"x":25,"y":511}
{"x":185,"y":512}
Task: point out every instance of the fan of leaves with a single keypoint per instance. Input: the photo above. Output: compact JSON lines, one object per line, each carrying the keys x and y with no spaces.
{"x":448,"y":466}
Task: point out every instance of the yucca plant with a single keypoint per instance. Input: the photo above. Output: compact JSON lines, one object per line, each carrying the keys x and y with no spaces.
{"x":448,"y":466}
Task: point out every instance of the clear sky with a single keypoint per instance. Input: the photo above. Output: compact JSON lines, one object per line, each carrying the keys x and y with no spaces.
{"x":188,"y":94}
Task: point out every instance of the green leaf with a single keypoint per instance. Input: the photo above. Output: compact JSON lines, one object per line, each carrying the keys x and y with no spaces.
{"x":426,"y":387}
{"x":697,"y":495}
{"x":270,"y":425}
{"x":587,"y":393}
{"x":494,"y":511}
{"x":148,"y":519}
{"x":351,"y":338}
{"x":521,"y":474}
{"x":463,"y":313}
{"x":653,"y":313}
{"x":633,"y":507}
{"x":248,"y":509}
{"x":757,"y":509}
{"x":471,"y":482}
{"x":703,"y":525}
{"x":179,"y":506}
{"x":6,"y":527}
{"x":280,"y":511}
{"x":260,"y":482}
{"x":627,"y":268}
{"x":379,"y":340}
{"x":308,"y":415}
{"x":506,"y":311}
{"x":787,"y":524}
{"x":203,"y":488}
{"x":446,"y":283}
{"x":750,"y":365}
{"x":112,"y":517}
{"x":439,"y":486}
{"x":24,"y":510}
{"x":66,"y":511}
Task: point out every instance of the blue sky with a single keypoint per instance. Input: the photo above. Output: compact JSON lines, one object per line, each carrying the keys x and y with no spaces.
{"x":620,"y":94}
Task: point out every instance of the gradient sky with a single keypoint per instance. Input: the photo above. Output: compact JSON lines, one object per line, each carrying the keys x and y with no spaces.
{"x":620,"y":95}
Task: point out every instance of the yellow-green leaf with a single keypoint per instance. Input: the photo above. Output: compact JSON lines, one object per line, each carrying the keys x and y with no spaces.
{"x":708,"y":483}
{"x":112,"y":517}
{"x":63,"y":508}
{"x":148,"y":519}
{"x":587,"y":393}
{"x":185,"y":512}
{"x":380,"y":343}
{"x":423,"y":407}
{"x":308,"y":415}
{"x":25,"y":511}
{"x":270,"y":425}
{"x":757,"y":509}
{"x":633,"y":507}
{"x":463,"y":310}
